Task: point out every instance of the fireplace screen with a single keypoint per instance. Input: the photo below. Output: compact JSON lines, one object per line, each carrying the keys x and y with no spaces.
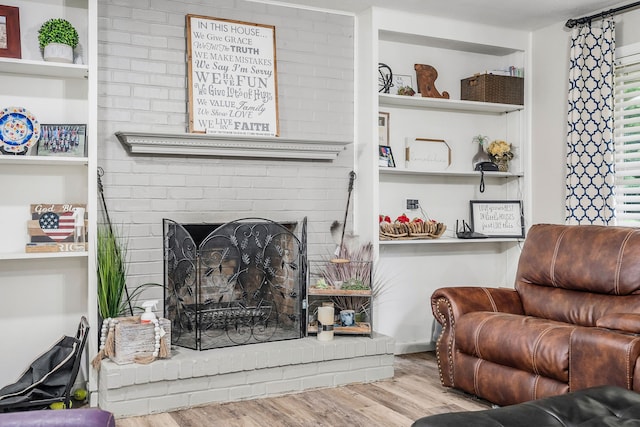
{"x":237,"y":283}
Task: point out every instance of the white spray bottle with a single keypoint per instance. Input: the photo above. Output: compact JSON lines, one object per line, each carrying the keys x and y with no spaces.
{"x":148,"y":316}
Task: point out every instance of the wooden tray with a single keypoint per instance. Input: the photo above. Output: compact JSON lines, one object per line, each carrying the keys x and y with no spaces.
{"x":360,"y":328}
{"x":340,"y":292}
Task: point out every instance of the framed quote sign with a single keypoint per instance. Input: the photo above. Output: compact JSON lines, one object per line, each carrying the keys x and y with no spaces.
{"x":231,"y":77}
{"x":497,"y":218}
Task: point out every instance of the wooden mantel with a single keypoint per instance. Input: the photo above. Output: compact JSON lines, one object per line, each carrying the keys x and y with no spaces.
{"x":193,"y":144}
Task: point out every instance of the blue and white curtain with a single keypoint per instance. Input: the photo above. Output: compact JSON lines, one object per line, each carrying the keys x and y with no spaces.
{"x":590,"y":170}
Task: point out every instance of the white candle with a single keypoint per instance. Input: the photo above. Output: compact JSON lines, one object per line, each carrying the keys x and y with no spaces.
{"x":325,"y":317}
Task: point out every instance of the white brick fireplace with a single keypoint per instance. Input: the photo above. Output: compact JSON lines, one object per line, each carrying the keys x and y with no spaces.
{"x":192,"y":378}
{"x":142,"y":89}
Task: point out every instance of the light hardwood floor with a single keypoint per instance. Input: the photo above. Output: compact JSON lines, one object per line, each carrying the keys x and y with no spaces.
{"x":414,"y":392}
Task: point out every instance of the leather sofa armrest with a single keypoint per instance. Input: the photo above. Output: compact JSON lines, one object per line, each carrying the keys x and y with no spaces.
{"x":624,"y":322}
{"x":602,"y":357}
{"x":449,"y":304}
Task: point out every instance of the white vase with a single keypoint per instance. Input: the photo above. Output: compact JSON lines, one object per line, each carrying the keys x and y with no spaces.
{"x":481,"y":156}
{"x":58,"y":52}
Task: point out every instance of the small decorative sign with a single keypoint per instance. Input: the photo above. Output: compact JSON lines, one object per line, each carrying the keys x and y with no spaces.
{"x":57,"y":228}
{"x":426,"y":154}
{"x":497,"y":218}
{"x":401,"y":84}
{"x":232,"y":77}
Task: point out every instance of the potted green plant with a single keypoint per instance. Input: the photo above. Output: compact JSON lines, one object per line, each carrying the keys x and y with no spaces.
{"x":114,"y":298}
{"x":112,"y":280}
{"x":57,"y":38}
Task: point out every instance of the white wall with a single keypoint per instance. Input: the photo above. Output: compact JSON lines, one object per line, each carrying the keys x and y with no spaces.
{"x":549,"y":112}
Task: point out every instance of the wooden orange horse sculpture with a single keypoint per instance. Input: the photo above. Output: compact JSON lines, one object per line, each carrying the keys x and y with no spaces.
{"x":426,"y":76}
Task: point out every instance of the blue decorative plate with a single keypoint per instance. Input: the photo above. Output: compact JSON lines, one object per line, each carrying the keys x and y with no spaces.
{"x":19,"y":130}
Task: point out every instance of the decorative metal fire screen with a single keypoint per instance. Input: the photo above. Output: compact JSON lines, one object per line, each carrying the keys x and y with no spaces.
{"x":242,"y":283}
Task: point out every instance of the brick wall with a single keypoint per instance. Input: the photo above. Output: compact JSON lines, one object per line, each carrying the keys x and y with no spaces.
{"x":142,"y":87}
{"x":193,"y":378}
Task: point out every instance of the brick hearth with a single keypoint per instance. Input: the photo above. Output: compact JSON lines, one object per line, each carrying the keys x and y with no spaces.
{"x":193,"y":378}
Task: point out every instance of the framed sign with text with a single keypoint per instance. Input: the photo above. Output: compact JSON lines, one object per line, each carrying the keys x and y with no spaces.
{"x":232,"y":77}
{"x":497,"y":218}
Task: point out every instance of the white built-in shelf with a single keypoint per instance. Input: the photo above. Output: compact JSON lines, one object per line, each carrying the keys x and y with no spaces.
{"x":43,"y":69}
{"x":396,"y":171}
{"x":42,"y":160}
{"x":387,"y":100}
{"x":194,"y":144}
{"x":443,"y":43}
{"x":11,"y":256}
{"x":450,"y":240}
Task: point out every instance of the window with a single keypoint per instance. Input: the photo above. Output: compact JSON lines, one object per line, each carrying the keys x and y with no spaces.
{"x":627,"y":141}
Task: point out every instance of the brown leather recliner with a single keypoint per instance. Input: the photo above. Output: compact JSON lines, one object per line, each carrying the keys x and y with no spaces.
{"x":571,"y":322}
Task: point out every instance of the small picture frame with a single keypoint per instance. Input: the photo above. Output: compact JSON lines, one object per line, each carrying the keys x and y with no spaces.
{"x":383,"y":128}
{"x":63,"y":140}
{"x":497,"y":218}
{"x":10,"y":32}
{"x":427,"y":154}
{"x":385,"y":157}
{"x":401,"y":80}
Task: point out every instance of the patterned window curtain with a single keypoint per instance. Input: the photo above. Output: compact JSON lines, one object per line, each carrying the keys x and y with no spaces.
{"x":590,"y":165}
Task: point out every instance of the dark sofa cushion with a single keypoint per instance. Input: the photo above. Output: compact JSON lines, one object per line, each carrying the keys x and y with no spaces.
{"x":592,"y":407}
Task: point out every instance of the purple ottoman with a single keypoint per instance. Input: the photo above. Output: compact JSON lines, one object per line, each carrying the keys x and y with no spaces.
{"x":90,"y":417}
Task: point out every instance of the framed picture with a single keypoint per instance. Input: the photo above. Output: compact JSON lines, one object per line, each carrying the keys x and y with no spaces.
{"x":383,"y":128}
{"x":497,"y":218}
{"x":400,"y":80}
{"x":10,"y":32}
{"x":62,"y":140}
{"x":427,"y":154}
{"x":231,"y":72}
{"x":386,"y":157}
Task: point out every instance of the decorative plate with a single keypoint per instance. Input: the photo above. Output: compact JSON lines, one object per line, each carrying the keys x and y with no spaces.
{"x":19,"y":130}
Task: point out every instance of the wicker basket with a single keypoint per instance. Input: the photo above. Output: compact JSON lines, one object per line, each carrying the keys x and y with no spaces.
{"x":493,"y":88}
{"x":411,"y":231}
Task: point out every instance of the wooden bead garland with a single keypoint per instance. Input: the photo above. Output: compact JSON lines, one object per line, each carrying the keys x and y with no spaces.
{"x":107,"y":342}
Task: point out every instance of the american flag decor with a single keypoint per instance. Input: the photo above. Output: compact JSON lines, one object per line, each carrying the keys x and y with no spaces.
{"x":58,"y":226}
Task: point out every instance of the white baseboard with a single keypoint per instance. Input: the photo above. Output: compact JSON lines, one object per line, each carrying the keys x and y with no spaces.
{"x":413,"y":347}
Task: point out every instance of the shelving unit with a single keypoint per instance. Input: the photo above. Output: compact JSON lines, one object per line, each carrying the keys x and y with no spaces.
{"x":360,"y":328}
{"x":34,"y":256}
{"x":389,"y":100}
{"x":36,"y":161}
{"x":450,"y":241}
{"x":415,"y":268}
{"x":43,"y":69}
{"x":474,"y":174}
{"x":333,"y":276}
{"x":45,"y":294}
{"x":400,"y":41}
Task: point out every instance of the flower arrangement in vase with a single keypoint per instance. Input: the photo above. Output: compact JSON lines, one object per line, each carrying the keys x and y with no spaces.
{"x":500,"y":152}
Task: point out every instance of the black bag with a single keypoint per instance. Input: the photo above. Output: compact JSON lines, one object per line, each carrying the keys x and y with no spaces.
{"x":50,"y":377}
